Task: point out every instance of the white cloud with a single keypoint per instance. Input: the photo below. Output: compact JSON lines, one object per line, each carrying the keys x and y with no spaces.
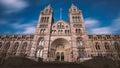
{"x":116,"y":24}
{"x":13,"y":5}
{"x":93,"y":27}
{"x":3,"y":22}
{"x":28,"y":28}
{"x":102,"y":30}
{"x":90,"y":22}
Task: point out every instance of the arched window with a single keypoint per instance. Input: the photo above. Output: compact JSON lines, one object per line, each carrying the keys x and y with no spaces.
{"x":59,"y":25}
{"x":46,"y":11}
{"x":42,"y":31}
{"x":16,"y":45}
{"x":73,"y":18}
{"x":68,"y":31}
{"x":24,"y":45}
{"x":78,"y":19}
{"x":78,"y":31}
{"x":79,"y":41}
{"x":0,"y":44}
{"x":7,"y":45}
{"x":74,"y":10}
{"x":67,"y":26}
{"x":53,"y":26}
{"x":41,"y":42}
{"x":65,"y":31}
{"x":42,"y":19}
{"x":40,"y":53}
{"x":58,"y":31}
{"x":81,"y":54}
{"x":116,"y":45}
{"x":97,"y":46}
{"x":106,"y":46}
{"x":45,"y":19}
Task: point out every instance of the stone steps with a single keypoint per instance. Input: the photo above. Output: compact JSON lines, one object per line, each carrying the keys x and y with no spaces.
{"x":22,"y":62}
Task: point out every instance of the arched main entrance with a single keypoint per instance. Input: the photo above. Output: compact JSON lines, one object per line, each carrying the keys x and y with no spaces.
{"x":60,"y":50}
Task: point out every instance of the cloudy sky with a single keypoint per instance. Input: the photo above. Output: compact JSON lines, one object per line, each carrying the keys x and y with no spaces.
{"x":20,"y":16}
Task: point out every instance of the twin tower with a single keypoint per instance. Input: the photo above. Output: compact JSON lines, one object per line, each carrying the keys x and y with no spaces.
{"x":59,"y":41}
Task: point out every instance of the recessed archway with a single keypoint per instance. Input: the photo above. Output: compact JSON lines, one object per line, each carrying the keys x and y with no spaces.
{"x":60,"y":50}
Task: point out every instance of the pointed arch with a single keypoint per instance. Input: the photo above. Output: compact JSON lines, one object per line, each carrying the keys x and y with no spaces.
{"x":97,"y":46}
{"x":41,"y":41}
{"x":16,"y":45}
{"x":106,"y":45}
{"x":24,"y":46}
{"x":40,"y":53}
{"x":7,"y":46}
{"x":116,"y":45}
{"x":79,"y":41}
{"x":81,"y":53}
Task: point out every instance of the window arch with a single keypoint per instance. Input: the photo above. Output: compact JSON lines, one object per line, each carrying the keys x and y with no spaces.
{"x":45,"y":19}
{"x":106,"y":46}
{"x":116,"y":45}
{"x":59,"y":25}
{"x":81,"y":53}
{"x":65,"y":31}
{"x":7,"y":45}
{"x":97,"y":46}
{"x":47,"y":11}
{"x":24,"y":45}
{"x":78,"y":19}
{"x":73,"y":18}
{"x":42,"y":31}
{"x":42,"y":19}
{"x":40,"y":53}
{"x":78,"y":31}
{"x":79,"y":41}
{"x":67,"y":26}
{"x":16,"y":45}
{"x":41,"y":42}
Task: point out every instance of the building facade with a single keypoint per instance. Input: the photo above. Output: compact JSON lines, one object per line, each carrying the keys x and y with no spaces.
{"x":60,"y":41}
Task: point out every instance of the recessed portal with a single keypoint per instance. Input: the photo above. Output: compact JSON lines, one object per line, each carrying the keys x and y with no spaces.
{"x":60,"y":49}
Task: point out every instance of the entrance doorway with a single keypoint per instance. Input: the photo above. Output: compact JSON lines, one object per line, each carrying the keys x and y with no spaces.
{"x":60,"y":56}
{"x":60,"y":49}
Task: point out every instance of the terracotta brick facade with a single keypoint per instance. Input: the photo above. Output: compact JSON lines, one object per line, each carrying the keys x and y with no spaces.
{"x":60,"y":41}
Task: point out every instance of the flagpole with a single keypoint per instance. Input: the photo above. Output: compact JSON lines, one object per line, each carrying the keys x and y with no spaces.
{"x":60,"y":13}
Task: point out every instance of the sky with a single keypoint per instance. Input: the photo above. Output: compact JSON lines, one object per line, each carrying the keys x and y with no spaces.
{"x":21,"y":16}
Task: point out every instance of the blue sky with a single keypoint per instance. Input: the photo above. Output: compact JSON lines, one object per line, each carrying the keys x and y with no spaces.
{"x":21,"y":16}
